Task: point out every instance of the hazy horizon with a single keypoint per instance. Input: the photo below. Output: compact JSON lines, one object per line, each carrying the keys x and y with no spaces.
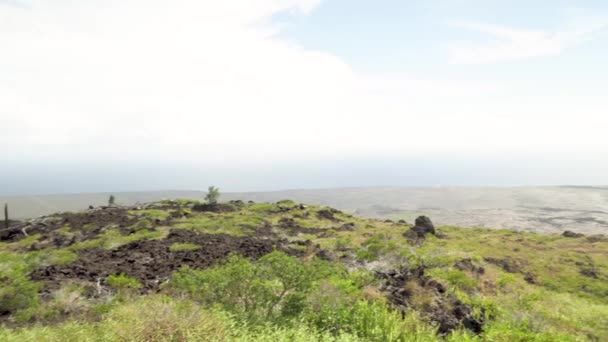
{"x":36,"y":178}
{"x":280,"y":94}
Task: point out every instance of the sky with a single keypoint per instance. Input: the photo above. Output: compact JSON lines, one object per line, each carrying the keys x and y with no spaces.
{"x":272,"y":94}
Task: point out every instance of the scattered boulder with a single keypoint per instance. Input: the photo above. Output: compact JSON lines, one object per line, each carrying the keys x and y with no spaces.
{"x":507,"y":264}
{"x":347,"y":227}
{"x":417,"y":233}
{"x":597,"y":238}
{"x":571,"y":234}
{"x":215,"y":208}
{"x":589,"y":272}
{"x":512,"y":265}
{"x":237,"y":203}
{"x":287,"y":223}
{"x":529,"y":278}
{"x":467,"y":265}
{"x":424,"y":223}
{"x":328,"y":214}
{"x":448,"y":312}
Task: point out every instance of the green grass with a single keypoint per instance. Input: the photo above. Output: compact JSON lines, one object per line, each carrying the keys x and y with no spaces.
{"x":180,"y":247}
{"x":211,"y":223}
{"x":112,"y":238}
{"x":152,"y":214}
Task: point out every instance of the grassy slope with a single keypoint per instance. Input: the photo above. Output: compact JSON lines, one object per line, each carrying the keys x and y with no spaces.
{"x":557,"y":302}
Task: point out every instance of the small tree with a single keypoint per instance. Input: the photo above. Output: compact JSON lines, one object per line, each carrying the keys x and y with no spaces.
{"x":111,"y":201}
{"x":212,"y":195}
{"x":6,"y":223}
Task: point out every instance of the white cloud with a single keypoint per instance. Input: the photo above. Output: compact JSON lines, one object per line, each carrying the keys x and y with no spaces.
{"x":210,"y":79}
{"x":507,"y":44}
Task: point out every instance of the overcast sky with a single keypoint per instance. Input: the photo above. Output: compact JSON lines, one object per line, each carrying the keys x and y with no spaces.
{"x":463,"y":84}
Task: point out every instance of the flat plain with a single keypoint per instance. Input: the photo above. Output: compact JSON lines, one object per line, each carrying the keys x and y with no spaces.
{"x":553,"y":209}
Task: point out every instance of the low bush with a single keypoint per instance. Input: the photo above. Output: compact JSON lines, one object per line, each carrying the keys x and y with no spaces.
{"x":273,"y":288}
{"x":17,"y":293}
{"x":123,"y":284}
{"x":375,"y":246}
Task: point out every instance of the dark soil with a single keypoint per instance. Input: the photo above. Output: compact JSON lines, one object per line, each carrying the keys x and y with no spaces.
{"x":467,"y":265}
{"x":152,"y":262}
{"x":508,"y":264}
{"x":347,"y":227}
{"x":572,"y":234}
{"x":597,"y":238}
{"x":589,"y":272}
{"x":293,"y":228}
{"x":512,"y":266}
{"x":89,"y":223}
{"x":446,"y":310}
{"x":328,"y":214}
{"x":215,"y":208}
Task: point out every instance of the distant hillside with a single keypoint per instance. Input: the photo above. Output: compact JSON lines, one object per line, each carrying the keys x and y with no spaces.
{"x":541,"y":209}
{"x":33,"y":206}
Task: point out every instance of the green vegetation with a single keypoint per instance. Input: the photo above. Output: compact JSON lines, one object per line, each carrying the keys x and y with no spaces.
{"x":124,"y":285}
{"x":273,"y":288}
{"x":182,"y":247}
{"x":522,"y":286}
{"x":122,"y":282}
{"x":228,"y":223}
{"x":144,"y":224}
{"x":112,"y":238}
{"x":151,"y":214}
{"x":58,"y":257}
{"x":375,"y":246}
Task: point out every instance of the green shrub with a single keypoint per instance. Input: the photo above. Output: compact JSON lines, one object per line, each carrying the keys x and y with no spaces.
{"x":17,"y":292}
{"x":64,"y":302}
{"x":375,"y":246}
{"x":343,"y":242}
{"x":123,"y":284}
{"x":59,"y":257}
{"x":275,"y":286}
{"x":152,"y":214}
{"x":213,"y":194}
{"x":141,"y":225}
{"x":371,"y":321}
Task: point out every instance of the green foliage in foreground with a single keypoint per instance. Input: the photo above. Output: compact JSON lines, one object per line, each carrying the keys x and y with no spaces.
{"x":162,"y":318}
{"x":274,"y":288}
{"x":278,"y":298}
